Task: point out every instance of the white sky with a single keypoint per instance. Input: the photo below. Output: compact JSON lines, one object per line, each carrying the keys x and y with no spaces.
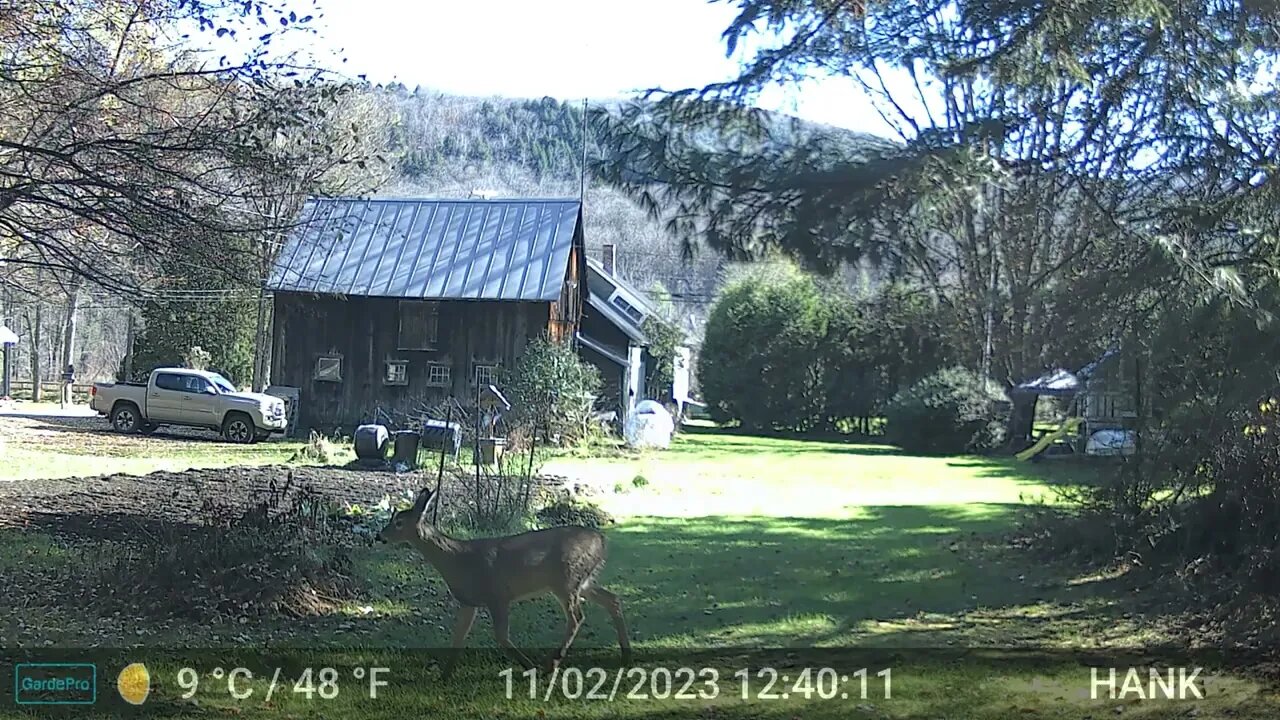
{"x":567,"y":49}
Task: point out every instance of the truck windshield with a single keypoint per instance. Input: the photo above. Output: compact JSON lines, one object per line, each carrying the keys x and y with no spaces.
{"x":221,"y":383}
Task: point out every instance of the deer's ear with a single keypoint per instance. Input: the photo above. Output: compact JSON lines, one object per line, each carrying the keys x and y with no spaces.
{"x":423,"y":499}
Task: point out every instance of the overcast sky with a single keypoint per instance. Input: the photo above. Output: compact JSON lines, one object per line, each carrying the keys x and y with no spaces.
{"x":567,"y":49}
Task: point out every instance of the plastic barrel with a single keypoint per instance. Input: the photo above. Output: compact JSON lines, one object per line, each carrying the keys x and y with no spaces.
{"x":406,"y":448}
{"x":438,"y":435}
{"x":371,"y":442}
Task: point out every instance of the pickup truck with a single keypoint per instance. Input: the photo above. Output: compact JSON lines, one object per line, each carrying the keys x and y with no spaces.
{"x":191,"y":398}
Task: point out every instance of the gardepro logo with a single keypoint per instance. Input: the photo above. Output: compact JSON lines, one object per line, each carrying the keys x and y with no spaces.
{"x":55,"y":683}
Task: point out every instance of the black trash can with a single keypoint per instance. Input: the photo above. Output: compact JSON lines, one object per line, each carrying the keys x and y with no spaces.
{"x":406,"y":448}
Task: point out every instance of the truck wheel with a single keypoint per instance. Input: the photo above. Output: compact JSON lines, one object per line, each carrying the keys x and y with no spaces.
{"x":238,"y":428}
{"x":124,"y":418}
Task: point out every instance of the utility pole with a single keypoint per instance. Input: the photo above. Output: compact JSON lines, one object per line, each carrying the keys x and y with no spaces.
{"x":582,"y":176}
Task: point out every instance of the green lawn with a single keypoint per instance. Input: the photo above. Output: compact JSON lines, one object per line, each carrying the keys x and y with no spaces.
{"x":728,"y":545}
{"x":734,"y":475}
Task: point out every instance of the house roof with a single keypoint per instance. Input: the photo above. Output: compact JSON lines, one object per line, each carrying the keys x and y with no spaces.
{"x":616,"y":318}
{"x":478,"y":249}
{"x":639,"y":299}
{"x":601,"y":288}
{"x":604,"y":350}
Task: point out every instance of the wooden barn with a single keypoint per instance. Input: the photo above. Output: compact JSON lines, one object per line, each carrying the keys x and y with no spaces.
{"x":394,"y":304}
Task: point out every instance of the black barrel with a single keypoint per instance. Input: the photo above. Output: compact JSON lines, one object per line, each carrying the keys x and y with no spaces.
{"x":439,"y":435}
{"x":371,"y":442}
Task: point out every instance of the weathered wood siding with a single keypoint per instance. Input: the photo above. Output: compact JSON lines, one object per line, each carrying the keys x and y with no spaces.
{"x":566,"y":313}
{"x":365,"y":333}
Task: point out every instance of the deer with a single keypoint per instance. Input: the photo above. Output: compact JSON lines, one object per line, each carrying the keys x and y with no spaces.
{"x":494,"y":573}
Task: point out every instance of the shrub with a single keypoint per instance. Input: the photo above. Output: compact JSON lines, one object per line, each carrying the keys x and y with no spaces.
{"x":639,"y":481}
{"x":568,"y":510}
{"x":759,"y":363}
{"x":223,"y":330}
{"x":951,"y":411}
{"x":664,"y":339}
{"x":551,"y":388}
{"x":321,"y":450}
{"x":1234,"y":521}
{"x":783,"y":353}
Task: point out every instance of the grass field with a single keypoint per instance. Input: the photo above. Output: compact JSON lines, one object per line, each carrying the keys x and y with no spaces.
{"x":59,"y":447}
{"x":727,"y":545}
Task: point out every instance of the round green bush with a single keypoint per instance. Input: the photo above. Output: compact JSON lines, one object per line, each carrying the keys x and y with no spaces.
{"x":759,"y":363}
{"x":952,"y":411}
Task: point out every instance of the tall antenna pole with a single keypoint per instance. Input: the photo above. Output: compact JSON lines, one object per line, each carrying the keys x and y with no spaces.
{"x":582,"y":176}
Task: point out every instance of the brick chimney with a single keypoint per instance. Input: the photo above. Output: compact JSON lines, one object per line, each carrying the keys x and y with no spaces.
{"x":609,"y":257}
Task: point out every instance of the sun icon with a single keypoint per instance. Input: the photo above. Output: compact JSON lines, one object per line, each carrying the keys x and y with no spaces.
{"x":134,"y":683}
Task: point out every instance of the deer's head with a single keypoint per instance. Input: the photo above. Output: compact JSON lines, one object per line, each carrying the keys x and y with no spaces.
{"x":403,"y":526}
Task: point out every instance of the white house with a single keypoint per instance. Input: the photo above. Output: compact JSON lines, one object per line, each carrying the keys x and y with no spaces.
{"x":612,"y":337}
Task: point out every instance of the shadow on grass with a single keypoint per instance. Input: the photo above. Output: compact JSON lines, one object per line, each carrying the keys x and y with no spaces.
{"x":1055,"y":473}
{"x":897,"y":575}
{"x":894,"y":574}
{"x":816,"y":436}
{"x":911,"y":575}
{"x":715,"y":444}
{"x":96,"y":527}
{"x":893,"y":577}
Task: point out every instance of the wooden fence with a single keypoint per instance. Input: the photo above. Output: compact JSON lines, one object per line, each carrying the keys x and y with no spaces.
{"x":50,"y":391}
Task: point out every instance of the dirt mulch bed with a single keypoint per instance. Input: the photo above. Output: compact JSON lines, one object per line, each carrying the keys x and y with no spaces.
{"x":122,"y":506}
{"x":116,"y":505}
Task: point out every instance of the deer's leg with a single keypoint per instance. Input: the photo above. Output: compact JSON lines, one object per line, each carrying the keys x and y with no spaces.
{"x":613,"y":605}
{"x":502,"y":633}
{"x":461,"y":628}
{"x":573,"y":617}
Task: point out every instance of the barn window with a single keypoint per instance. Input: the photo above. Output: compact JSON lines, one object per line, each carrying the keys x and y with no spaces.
{"x":329,"y":368}
{"x":484,"y":374}
{"x":419,"y":325}
{"x":438,"y":375}
{"x":397,"y":373}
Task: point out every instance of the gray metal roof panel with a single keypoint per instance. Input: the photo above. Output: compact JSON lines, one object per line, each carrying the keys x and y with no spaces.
{"x":430,"y":249}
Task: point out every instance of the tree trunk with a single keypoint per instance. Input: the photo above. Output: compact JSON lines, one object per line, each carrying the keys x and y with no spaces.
{"x":262,"y":345}
{"x":36,"y":395}
{"x":989,"y":321}
{"x":127,"y":370}
{"x":69,"y":326}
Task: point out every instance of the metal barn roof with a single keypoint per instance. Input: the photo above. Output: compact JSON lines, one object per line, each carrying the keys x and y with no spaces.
{"x":430,"y":249}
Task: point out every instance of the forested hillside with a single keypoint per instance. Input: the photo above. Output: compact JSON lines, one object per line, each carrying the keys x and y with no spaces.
{"x":450,"y":146}
{"x":428,"y":144}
